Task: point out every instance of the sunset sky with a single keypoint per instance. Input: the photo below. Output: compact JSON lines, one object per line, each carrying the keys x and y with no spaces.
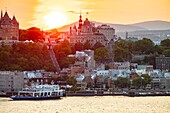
{"x":47,"y":14}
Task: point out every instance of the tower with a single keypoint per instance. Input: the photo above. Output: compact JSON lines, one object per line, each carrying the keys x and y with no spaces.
{"x":110,"y":47}
{"x":9,"y":27}
{"x":1,"y":15}
{"x":127,"y":35}
{"x":80,"y":21}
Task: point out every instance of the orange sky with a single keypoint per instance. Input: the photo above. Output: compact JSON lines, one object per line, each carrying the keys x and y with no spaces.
{"x":33,"y":12}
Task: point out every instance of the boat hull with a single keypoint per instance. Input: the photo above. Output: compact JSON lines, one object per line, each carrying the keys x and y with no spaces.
{"x":34,"y":98}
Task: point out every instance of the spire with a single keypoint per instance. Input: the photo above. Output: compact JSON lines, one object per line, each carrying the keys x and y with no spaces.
{"x":14,"y":19}
{"x":87,"y":14}
{"x":6,"y":15}
{"x":1,"y":14}
{"x":80,"y":21}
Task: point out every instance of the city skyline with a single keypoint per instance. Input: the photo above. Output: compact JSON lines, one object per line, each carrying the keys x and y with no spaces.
{"x":56,"y":13}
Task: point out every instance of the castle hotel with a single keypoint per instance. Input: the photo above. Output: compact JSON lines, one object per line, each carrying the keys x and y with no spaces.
{"x":86,"y":31}
{"x":9,"y":27}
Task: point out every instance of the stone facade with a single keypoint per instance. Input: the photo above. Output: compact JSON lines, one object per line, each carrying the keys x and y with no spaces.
{"x":9,"y":28}
{"x":162,"y":63}
{"x":11,"y":81}
{"x":87,"y":32}
{"x":85,"y":62}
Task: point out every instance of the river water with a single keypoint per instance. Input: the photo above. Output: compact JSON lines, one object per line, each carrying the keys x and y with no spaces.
{"x":96,"y":104}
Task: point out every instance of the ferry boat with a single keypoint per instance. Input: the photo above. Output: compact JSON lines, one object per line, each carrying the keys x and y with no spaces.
{"x":39,"y":92}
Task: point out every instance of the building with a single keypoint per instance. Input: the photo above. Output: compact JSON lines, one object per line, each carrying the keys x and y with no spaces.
{"x":87,"y":32}
{"x":85,"y":62}
{"x":11,"y":81}
{"x":108,"y":31}
{"x":121,"y":65}
{"x":9,"y":27}
{"x":162,"y":63}
{"x":145,"y":67}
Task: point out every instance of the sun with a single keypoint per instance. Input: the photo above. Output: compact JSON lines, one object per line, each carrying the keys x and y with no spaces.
{"x":55,"y":19}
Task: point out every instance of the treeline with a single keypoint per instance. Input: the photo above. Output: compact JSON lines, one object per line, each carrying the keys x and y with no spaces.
{"x":33,"y":56}
{"x":25,"y":56}
{"x":63,"y":49}
{"x":124,"y":50}
{"x":137,"y":82}
{"x":36,"y":34}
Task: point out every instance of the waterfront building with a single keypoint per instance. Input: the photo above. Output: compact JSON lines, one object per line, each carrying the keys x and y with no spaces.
{"x":161,"y":83}
{"x":80,"y":83}
{"x":38,"y":77}
{"x":11,"y":81}
{"x":9,"y":27}
{"x":145,"y":67}
{"x":103,"y":73}
{"x":162,"y":63}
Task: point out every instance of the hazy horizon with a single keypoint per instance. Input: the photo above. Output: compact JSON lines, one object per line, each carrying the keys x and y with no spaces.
{"x":55,"y":13}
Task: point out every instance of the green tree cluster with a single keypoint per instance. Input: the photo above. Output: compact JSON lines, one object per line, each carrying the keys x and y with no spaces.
{"x":25,"y":56}
{"x":35,"y":34}
{"x":122,"y":82}
{"x":70,"y":80}
{"x":141,"y":81}
{"x":165,"y":45}
{"x":62,"y":50}
{"x":124,"y":50}
{"x":101,"y":54}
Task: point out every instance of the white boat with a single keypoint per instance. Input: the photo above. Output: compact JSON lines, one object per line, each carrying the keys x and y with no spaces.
{"x":39,"y":92}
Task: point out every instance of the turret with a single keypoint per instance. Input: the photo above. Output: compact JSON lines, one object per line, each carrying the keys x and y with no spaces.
{"x":14,"y":19}
{"x":70,"y":30}
{"x":126,"y":35}
{"x":1,"y":14}
{"x":6,"y":16}
{"x":80,"y":22}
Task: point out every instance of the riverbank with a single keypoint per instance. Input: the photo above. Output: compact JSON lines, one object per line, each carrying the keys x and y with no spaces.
{"x":93,"y":104}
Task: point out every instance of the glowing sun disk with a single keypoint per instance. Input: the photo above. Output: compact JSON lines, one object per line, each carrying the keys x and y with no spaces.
{"x":55,"y":19}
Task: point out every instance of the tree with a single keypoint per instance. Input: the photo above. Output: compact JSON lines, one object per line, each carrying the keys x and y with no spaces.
{"x":149,"y":60}
{"x":34,"y":34}
{"x":25,"y":56}
{"x":79,"y":46}
{"x":136,"y":82}
{"x":23,"y":35}
{"x":144,"y":46}
{"x":141,"y":81}
{"x":121,"y":82}
{"x":165,"y":43}
{"x":107,"y":67}
{"x":122,"y":50}
{"x":87,"y":45}
{"x":101,"y":54}
{"x":167,"y":52}
{"x":158,"y":49}
{"x":97,"y":45}
{"x":65,"y":62}
{"x":61,"y":52}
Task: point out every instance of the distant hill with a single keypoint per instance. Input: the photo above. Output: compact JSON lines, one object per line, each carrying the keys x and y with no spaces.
{"x":117,"y":27}
{"x":148,"y":25}
{"x":153,"y":25}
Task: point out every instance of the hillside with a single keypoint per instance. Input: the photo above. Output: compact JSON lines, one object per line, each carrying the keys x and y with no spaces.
{"x":153,"y":25}
{"x":117,"y":27}
{"x":148,"y":25}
